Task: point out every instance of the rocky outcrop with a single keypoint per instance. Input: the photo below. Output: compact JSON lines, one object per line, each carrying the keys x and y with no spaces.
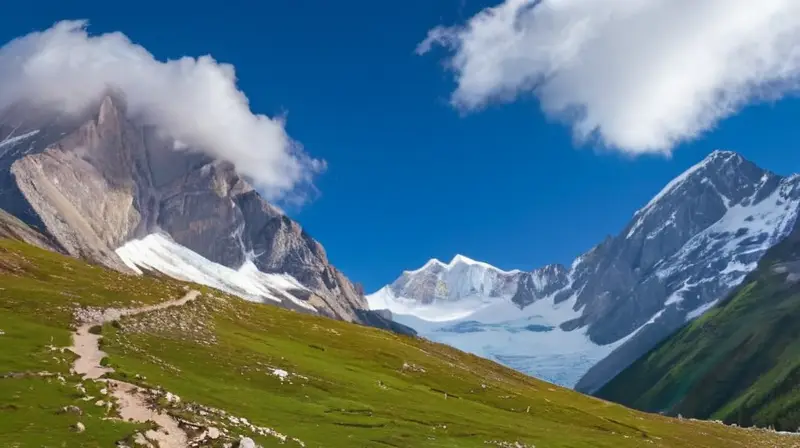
{"x":14,"y":229}
{"x":94,"y":183}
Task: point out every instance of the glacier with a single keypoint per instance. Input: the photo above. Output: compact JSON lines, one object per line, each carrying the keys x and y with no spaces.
{"x":527,"y":339}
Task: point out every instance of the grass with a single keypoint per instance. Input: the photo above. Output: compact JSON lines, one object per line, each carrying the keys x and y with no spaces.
{"x":31,"y":416}
{"x":740,"y":362}
{"x":39,"y":291}
{"x":344,"y":385}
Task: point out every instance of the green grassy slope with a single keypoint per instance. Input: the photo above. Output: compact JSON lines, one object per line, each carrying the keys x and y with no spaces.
{"x":739,"y":363}
{"x":344,"y":385}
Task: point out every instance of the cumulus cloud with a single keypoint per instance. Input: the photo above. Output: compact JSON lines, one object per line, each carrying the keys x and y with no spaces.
{"x":193,"y":100}
{"x":636,"y":75}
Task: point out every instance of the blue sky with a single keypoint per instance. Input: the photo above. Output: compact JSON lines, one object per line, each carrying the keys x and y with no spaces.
{"x":410,"y":177}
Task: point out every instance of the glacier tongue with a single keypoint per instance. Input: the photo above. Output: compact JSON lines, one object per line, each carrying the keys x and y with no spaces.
{"x":160,"y":253}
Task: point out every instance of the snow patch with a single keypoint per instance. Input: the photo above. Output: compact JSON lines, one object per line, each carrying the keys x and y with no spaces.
{"x":699,"y":311}
{"x":160,"y":253}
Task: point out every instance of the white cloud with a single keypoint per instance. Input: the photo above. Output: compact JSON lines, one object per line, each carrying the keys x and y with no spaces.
{"x":638,"y":75}
{"x":194,"y":100}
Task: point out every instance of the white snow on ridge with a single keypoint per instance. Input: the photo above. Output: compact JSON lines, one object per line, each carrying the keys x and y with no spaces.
{"x":642,"y":213}
{"x":461,"y":259}
{"x":694,"y":314}
{"x":160,"y":253}
{"x":756,"y":226}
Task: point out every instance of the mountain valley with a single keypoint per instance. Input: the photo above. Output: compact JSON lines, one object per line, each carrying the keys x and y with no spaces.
{"x":231,"y":372}
{"x":533,"y":242}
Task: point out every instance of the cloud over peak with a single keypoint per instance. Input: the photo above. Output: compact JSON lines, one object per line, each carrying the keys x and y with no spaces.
{"x":641,"y":76}
{"x":193,"y":100}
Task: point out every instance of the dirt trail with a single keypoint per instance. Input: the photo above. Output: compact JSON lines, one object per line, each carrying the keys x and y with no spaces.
{"x":132,"y":405}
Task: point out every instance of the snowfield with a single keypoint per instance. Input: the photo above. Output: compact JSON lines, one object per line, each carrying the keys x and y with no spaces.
{"x":158,"y":252}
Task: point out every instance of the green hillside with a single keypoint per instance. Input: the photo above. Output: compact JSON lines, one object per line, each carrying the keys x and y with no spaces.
{"x":739,"y":363}
{"x":242,"y":367}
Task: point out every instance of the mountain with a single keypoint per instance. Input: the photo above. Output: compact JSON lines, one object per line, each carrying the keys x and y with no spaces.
{"x":739,"y":362}
{"x":681,"y":253}
{"x":105,"y":188}
{"x":212,"y":369}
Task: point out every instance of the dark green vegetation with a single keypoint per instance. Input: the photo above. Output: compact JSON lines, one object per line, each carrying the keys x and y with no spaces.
{"x":344,"y":385}
{"x":739,"y":363}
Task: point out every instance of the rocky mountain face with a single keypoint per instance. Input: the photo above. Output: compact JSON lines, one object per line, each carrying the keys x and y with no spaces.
{"x":683,"y":251}
{"x":94,"y":183}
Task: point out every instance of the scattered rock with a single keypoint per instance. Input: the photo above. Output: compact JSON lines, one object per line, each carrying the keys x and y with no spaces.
{"x":247,"y":442}
{"x":140,"y":440}
{"x":79,"y":427}
{"x":100,"y":403}
{"x":412,"y":368}
{"x":71,"y":409}
{"x":502,"y":444}
{"x":2,"y":332}
{"x":280,"y":373}
{"x":172,"y":398}
{"x":213,"y":433}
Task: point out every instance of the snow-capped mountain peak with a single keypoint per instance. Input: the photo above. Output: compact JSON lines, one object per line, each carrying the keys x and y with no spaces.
{"x":714,"y":159}
{"x":720,"y":181}
{"x":461,"y":278}
{"x":685,"y":249}
{"x":458,"y":260}
{"x":433,"y":263}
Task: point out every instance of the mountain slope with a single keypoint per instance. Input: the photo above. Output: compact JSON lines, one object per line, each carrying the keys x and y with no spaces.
{"x":740,"y":362}
{"x":279,"y":377}
{"x":98,"y":182}
{"x":14,"y":229}
{"x":684,"y":250}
